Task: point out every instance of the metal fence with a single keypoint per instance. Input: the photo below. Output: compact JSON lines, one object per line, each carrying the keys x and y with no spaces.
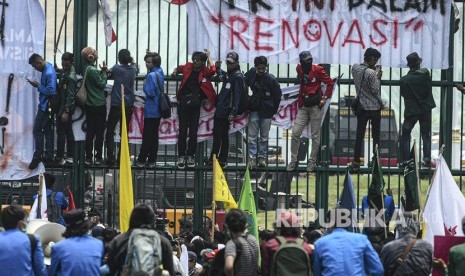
{"x":161,"y":27}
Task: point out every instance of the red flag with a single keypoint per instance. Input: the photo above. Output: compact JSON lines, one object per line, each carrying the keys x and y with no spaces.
{"x":177,"y":2}
{"x":110,"y":35}
{"x":71,"y":205}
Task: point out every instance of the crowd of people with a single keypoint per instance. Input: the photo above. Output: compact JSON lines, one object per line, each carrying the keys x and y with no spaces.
{"x":196,"y":86}
{"x":90,"y":248}
{"x":59,"y":100}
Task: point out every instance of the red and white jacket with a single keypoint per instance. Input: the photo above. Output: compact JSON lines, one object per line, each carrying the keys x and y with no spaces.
{"x":316,"y":76}
{"x":204,"y":80}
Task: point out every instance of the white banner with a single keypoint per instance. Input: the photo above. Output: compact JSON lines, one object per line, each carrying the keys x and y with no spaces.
{"x":169,"y":128}
{"x":336,"y":32}
{"x":24,"y":35}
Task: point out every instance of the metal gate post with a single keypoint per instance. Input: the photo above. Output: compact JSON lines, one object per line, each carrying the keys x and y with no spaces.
{"x":447,"y":98}
{"x":79,"y":42}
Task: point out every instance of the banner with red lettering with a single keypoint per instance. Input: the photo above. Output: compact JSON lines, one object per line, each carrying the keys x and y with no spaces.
{"x":168,"y":130}
{"x":336,"y":32}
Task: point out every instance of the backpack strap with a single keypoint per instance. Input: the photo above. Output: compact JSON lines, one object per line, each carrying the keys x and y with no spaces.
{"x":160,"y":86}
{"x":402,"y":257}
{"x":33,"y":241}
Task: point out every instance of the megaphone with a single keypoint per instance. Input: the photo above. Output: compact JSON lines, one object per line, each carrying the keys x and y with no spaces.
{"x":49,"y":233}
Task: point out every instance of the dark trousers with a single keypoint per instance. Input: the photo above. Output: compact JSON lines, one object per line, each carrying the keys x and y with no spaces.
{"x":149,"y":147}
{"x":43,"y":130}
{"x":64,"y":135}
{"x":188,"y":123}
{"x":220,"y":139}
{"x":425,"y":130}
{"x":114,"y":117}
{"x":95,"y":121}
{"x":375,"y":118}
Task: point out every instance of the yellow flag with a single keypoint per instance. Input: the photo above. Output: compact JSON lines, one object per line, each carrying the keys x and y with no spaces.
{"x":126,"y":197}
{"x":221,"y":188}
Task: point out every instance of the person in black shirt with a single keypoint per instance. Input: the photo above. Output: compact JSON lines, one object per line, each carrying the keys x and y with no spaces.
{"x":195,"y":87}
{"x":263,"y":104}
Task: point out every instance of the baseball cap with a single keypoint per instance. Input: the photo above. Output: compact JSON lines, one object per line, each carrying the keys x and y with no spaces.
{"x":232,"y":57}
{"x":413,"y":58}
{"x":305,"y":55}
{"x":192,"y":256}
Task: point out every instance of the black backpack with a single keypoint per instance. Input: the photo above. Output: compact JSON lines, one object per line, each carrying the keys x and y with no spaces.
{"x":216,"y":265}
{"x":53,"y":211}
{"x":244,"y":100}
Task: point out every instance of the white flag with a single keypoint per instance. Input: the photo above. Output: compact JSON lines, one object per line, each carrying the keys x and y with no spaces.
{"x":445,"y":205}
{"x":43,"y":201}
{"x":110,"y":35}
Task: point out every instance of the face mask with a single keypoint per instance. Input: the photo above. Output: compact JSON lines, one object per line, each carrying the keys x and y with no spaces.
{"x":306,"y":67}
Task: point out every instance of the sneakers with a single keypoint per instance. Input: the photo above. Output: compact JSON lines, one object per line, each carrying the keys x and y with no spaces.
{"x":111,"y":161}
{"x":34,"y":163}
{"x":88,"y":161}
{"x":69,"y":160}
{"x":252,"y":163}
{"x":181,"y":163}
{"x":98,"y":161}
{"x":151,"y":165}
{"x":311,"y":166}
{"x":292,"y":166}
{"x":139,"y":164}
{"x":59,"y":161}
{"x":190,"y":162}
{"x":426,"y":164}
{"x":261,"y":162}
{"x":223,"y":165}
{"x":355,"y":166}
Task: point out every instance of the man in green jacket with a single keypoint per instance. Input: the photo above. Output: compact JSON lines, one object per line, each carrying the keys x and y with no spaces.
{"x":416,"y":89}
{"x":456,"y":264}
{"x":96,"y":105}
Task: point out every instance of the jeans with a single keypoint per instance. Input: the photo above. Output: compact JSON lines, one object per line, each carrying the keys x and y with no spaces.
{"x":256,"y":125}
{"x":307,"y":115}
{"x":149,"y":150}
{"x":375,"y":118}
{"x":95,"y":120}
{"x":64,"y":135}
{"x":220,"y":145}
{"x":425,"y":130}
{"x":114,"y":117}
{"x":43,"y":129}
{"x":188,"y":122}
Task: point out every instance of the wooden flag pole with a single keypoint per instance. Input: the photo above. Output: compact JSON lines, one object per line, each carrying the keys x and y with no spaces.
{"x":39,"y":195}
{"x":213,"y":199}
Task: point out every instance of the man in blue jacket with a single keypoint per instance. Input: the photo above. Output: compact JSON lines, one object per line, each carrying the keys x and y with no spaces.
{"x":78,"y":253}
{"x":42,"y":123}
{"x":16,"y":256}
{"x":227,"y":105}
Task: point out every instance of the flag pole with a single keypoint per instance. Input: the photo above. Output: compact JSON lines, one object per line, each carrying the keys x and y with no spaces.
{"x":382,"y":192}
{"x":418,"y":177}
{"x":39,"y":195}
{"x":213,"y":198}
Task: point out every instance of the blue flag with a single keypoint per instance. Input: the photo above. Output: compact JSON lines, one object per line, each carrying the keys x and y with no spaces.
{"x":347,"y":201}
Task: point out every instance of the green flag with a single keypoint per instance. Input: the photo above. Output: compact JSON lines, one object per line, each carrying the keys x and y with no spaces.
{"x":375,"y":191}
{"x":247,"y":204}
{"x":410,"y":198}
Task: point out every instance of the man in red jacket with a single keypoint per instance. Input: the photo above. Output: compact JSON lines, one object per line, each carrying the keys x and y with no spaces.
{"x":195,"y":87}
{"x":311,"y":100}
